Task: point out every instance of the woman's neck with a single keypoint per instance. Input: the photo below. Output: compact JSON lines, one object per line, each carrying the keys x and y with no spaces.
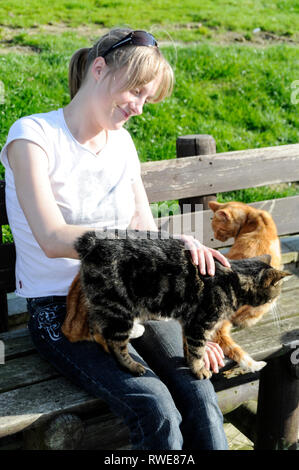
{"x":79,"y":122}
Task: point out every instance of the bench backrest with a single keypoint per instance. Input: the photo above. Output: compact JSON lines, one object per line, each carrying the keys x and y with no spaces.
{"x":220,"y":172}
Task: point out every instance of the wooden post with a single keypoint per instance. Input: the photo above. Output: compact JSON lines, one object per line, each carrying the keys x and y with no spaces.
{"x":190,"y":146}
{"x":278,"y":405}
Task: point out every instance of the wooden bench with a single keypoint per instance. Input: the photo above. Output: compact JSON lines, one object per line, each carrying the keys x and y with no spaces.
{"x":39,"y":409}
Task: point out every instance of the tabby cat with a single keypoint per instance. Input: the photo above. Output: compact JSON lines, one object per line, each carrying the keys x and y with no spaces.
{"x":126,"y":275}
{"x":254,"y":233}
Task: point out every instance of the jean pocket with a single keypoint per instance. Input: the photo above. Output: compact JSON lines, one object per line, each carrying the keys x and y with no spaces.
{"x":48,"y":320}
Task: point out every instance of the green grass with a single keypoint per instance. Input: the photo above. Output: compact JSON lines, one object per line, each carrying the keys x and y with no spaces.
{"x":238,"y":93}
{"x":189,"y":20}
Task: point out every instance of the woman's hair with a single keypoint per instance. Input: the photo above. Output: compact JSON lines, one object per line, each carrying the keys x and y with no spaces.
{"x":142,"y":64}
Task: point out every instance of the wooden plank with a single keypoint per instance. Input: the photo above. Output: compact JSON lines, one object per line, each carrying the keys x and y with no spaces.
{"x":24,"y":371}
{"x":208,"y":174}
{"x":265,"y":340}
{"x":17,"y":343}
{"x":285,"y":212}
{"x":27,"y":405}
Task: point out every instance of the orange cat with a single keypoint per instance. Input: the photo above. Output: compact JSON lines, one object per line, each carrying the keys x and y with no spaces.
{"x":255,"y":234}
{"x":75,"y":326}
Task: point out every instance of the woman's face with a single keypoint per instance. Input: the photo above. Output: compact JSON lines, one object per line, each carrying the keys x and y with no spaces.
{"x":113,"y":107}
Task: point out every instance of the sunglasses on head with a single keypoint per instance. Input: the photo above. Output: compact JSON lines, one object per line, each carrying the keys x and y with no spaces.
{"x":135,"y":38}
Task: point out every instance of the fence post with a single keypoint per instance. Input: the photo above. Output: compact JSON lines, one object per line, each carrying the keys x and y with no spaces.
{"x":190,"y":146}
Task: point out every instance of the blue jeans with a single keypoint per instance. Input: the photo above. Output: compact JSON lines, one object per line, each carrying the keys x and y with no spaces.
{"x":167,"y":408}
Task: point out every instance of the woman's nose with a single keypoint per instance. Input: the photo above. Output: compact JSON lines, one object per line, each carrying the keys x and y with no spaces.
{"x":138,"y":106}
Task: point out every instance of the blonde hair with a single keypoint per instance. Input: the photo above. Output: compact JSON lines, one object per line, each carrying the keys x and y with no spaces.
{"x":142,"y":64}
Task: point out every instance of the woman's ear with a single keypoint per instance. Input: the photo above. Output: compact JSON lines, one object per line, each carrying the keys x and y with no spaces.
{"x":98,"y":67}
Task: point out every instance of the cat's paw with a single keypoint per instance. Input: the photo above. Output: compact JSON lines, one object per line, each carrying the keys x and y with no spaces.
{"x":137,"y":331}
{"x":137,"y":369}
{"x":250,"y":365}
{"x":200,"y":371}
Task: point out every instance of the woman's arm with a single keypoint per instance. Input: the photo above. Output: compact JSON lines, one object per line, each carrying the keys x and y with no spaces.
{"x":29,"y":164}
{"x":143,"y":218}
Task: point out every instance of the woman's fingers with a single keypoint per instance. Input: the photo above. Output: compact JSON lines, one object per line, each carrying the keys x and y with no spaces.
{"x":202,"y":256}
{"x":213,"y":357}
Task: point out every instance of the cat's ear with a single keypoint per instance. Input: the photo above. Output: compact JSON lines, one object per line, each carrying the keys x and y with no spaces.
{"x":215,"y":206}
{"x":222,"y":215}
{"x":264,"y":258}
{"x":272,"y":277}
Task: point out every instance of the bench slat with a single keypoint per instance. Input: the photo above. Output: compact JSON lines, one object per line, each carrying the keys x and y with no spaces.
{"x":25,"y":370}
{"x":285,"y":212}
{"x":209,"y":174}
{"x":21,"y":407}
{"x":17,"y":343}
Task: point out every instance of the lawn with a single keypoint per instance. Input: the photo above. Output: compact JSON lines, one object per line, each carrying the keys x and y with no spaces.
{"x":235,"y":63}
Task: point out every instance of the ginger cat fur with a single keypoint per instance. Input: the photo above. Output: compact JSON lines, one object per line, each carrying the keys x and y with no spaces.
{"x":254,"y":233}
{"x":75,"y":326}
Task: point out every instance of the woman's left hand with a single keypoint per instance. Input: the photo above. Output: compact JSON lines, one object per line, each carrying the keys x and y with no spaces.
{"x":213,"y":356}
{"x":203,"y":256}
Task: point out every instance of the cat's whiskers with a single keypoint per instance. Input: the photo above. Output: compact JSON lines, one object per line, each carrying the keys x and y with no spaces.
{"x":276,"y":315}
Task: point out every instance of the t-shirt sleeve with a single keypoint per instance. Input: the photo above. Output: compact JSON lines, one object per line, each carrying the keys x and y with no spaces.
{"x":24,"y":128}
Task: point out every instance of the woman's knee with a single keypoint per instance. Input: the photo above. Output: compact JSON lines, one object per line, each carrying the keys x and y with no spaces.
{"x":157,"y":421}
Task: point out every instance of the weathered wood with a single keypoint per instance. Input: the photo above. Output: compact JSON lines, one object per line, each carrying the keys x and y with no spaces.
{"x":191,"y":145}
{"x":244,"y":419}
{"x":231,"y":398}
{"x":278,"y":405}
{"x":17,"y":343}
{"x":64,"y":432}
{"x":221,"y":172}
{"x":25,"y":370}
{"x":24,"y":406}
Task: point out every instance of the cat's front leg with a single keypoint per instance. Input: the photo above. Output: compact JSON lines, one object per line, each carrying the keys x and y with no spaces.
{"x":194,"y":353}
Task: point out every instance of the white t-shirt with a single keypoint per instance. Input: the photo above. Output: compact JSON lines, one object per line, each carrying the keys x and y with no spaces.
{"x":90,"y":190}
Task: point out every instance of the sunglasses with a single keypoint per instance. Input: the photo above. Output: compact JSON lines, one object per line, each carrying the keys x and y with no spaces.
{"x":135,"y":38}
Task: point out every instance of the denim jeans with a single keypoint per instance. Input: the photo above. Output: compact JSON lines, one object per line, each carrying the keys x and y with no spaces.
{"x":167,"y":408}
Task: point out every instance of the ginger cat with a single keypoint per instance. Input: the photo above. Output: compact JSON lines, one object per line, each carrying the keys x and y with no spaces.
{"x":255,"y":234}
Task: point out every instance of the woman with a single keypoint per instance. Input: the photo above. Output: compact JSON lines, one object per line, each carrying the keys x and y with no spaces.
{"x":74,"y":169}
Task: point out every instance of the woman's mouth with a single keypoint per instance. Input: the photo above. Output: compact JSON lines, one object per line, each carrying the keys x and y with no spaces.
{"x":124,"y":113}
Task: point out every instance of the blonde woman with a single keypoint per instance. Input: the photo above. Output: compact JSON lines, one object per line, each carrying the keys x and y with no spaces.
{"x":74,"y":169}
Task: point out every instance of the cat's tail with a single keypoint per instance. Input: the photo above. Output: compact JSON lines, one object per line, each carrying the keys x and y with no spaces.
{"x":89,"y":240}
{"x":85,"y":243}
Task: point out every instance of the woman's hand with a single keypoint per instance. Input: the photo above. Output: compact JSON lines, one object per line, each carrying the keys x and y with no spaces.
{"x":203,"y":256}
{"x":213,"y":356}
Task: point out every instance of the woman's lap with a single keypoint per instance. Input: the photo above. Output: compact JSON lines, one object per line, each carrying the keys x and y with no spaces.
{"x":167,"y":390}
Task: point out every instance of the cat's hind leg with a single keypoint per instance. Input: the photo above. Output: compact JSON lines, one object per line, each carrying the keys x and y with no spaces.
{"x":120,"y":350}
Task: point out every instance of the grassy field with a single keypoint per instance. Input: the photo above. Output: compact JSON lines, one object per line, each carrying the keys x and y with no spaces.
{"x":234,"y":62}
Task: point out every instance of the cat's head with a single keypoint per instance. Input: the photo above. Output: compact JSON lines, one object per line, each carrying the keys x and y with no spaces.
{"x":228,"y":218}
{"x":261,"y":281}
